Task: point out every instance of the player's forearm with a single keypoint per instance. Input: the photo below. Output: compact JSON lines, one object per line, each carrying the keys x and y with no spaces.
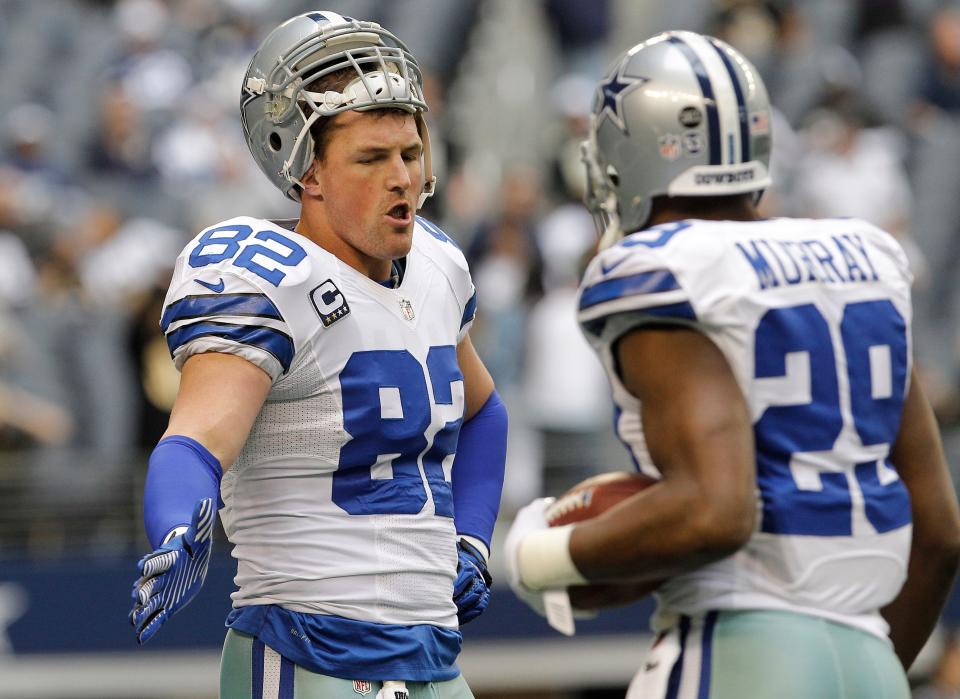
{"x":914,"y":613}
{"x":668,"y":529}
{"x":478,"y":471}
{"x":658,"y":533}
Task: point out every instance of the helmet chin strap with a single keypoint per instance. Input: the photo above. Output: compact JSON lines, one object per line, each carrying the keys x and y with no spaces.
{"x":429,"y":179}
{"x":601,"y":197}
{"x":288,"y":163}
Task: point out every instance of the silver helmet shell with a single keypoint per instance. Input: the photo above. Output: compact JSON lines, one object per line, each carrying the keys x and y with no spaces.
{"x":277,"y":107}
{"x":680,"y":114}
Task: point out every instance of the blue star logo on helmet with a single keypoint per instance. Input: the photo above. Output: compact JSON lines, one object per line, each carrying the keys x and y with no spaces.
{"x":610,"y":93}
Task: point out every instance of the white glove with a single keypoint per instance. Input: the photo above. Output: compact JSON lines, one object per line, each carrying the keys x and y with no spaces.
{"x":529,"y":519}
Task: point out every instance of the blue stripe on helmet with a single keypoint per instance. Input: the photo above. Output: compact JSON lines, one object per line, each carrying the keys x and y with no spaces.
{"x":652,"y":282}
{"x":709,"y":100}
{"x":279,"y":344}
{"x":741,"y":103}
{"x":256,"y":305}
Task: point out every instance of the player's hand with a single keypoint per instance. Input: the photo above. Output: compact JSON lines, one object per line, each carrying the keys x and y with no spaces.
{"x":529,"y":519}
{"x":471,"y":590}
{"x":172,"y":575}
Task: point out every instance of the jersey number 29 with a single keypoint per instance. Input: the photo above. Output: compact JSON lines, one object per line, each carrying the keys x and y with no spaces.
{"x":854,"y":397}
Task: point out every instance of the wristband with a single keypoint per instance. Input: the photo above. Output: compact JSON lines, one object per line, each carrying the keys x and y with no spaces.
{"x":544,"y":562}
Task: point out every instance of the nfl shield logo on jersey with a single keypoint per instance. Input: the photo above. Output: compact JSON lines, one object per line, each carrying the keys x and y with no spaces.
{"x":407,"y":309}
{"x":362,"y":687}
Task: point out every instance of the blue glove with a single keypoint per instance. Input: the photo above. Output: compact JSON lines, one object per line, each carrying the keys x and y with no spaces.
{"x":471,"y":591}
{"x":172,"y":575}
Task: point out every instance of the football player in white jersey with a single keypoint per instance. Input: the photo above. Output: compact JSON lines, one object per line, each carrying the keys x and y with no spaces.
{"x":328,"y":381}
{"x":803,"y":524}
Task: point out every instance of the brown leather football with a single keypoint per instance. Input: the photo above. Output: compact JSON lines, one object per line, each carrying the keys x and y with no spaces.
{"x":586,"y":500}
{"x":595,"y":495}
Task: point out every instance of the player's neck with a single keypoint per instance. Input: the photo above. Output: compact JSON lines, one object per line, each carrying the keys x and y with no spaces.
{"x":318,"y":231}
{"x":668,"y":210}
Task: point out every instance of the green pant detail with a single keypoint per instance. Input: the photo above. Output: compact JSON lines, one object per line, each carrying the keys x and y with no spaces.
{"x":769,"y":655}
{"x":236,"y":679}
{"x":793,"y":656}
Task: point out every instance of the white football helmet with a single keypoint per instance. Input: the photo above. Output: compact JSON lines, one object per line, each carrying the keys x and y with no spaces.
{"x":680,"y":114}
{"x":277,"y":109}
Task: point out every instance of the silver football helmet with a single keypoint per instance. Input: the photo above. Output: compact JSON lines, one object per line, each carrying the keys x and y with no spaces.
{"x":277,"y":108}
{"x":680,"y":114}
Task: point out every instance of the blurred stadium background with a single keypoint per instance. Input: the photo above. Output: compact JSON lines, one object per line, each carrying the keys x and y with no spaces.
{"x":119,"y":140}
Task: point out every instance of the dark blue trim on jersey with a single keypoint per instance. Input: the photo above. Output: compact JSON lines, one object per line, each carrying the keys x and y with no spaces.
{"x":286,"y":679}
{"x":666,"y":230}
{"x":256,"y":672}
{"x":347,"y":648}
{"x":706,"y":654}
{"x":470,"y":311}
{"x":709,"y":100}
{"x":652,"y":282}
{"x":617,"y":412}
{"x":669,"y":311}
{"x":741,"y":103}
{"x":673,"y":684}
{"x":279,"y":344}
{"x":435,"y":231}
{"x":206,"y":305}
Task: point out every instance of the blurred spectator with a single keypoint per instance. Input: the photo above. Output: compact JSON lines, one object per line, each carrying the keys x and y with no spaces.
{"x":506,"y":267}
{"x":120,"y":146}
{"x":125,"y":258}
{"x":852,"y":167}
{"x":26,"y":419}
{"x":945,"y":682}
{"x":797,"y":67}
{"x":940,"y":85}
{"x":582,"y":31}
{"x":564,"y":389}
{"x":157,"y":75}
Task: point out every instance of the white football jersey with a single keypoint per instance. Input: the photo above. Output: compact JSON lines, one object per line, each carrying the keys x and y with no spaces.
{"x":813,"y":318}
{"x":340,"y":501}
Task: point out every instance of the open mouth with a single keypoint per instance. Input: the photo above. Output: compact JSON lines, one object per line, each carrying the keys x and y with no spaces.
{"x":400,"y":213}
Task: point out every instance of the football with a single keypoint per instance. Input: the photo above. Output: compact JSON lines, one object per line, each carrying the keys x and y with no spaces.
{"x":586,"y":500}
{"x":595,"y":495}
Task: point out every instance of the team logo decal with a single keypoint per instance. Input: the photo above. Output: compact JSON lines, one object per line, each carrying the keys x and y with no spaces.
{"x":669,"y":146}
{"x":759,"y":123}
{"x":608,"y":101}
{"x":690,"y":117}
{"x":406,"y":308}
{"x":362,"y":687}
{"x":330,"y":304}
{"x":692,"y":143}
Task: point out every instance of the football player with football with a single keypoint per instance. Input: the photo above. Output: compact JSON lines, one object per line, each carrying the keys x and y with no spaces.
{"x":327,"y":381}
{"x":802,"y":533}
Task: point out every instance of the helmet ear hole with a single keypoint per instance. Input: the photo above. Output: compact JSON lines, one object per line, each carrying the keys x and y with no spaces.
{"x":275,"y":141}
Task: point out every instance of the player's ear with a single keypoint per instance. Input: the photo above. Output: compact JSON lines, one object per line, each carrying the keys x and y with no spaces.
{"x":311,"y":180}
